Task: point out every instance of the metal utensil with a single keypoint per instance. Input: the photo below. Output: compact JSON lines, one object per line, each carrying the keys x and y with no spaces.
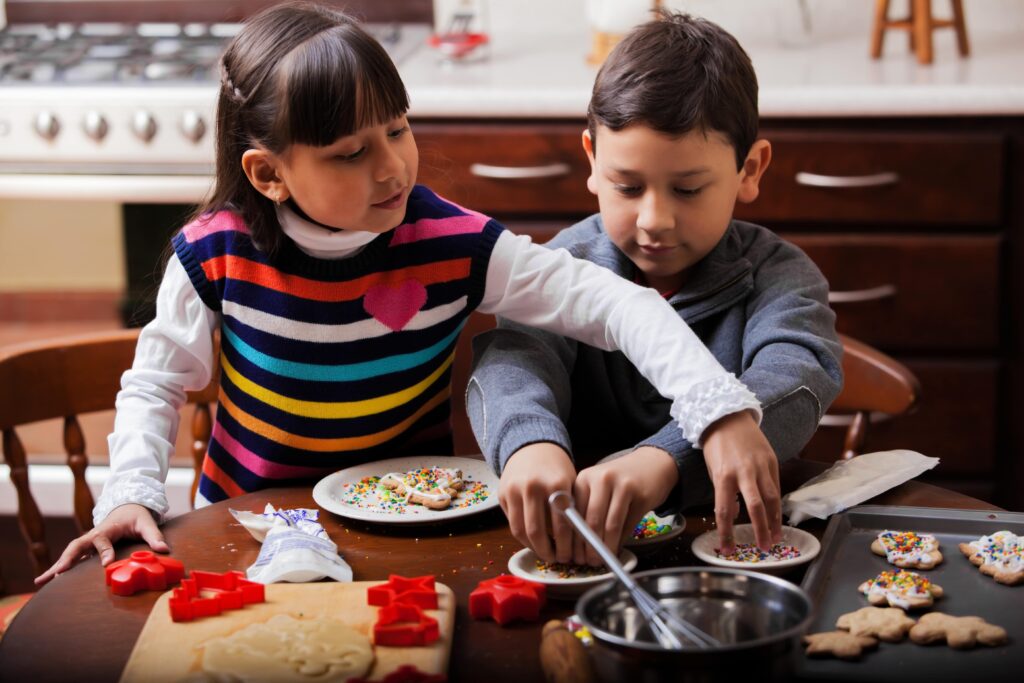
{"x":665,"y":626}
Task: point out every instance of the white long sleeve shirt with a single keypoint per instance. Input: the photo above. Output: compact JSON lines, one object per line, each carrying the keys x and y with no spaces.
{"x":525,"y":282}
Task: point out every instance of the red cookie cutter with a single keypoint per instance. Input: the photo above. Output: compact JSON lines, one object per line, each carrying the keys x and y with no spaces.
{"x":230,"y":590}
{"x":407,"y":673}
{"x":507,"y":598}
{"x":143,"y":570}
{"x":417,"y":591}
{"x":402,"y":625}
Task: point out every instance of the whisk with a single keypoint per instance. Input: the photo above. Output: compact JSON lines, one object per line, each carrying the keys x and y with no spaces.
{"x":666,"y":626}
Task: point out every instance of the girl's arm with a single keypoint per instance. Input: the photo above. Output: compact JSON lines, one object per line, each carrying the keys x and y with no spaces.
{"x":174,"y":355}
{"x":553,"y":291}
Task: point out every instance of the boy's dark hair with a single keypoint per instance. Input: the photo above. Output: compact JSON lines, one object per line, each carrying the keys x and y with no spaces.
{"x":296,"y":73}
{"x":677,"y":74}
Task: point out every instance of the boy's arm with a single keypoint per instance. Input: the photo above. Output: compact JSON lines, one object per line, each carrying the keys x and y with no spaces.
{"x":519,"y":390}
{"x":792,"y":361}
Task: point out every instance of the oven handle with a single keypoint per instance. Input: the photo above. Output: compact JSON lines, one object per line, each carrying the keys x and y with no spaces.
{"x":172,"y":189}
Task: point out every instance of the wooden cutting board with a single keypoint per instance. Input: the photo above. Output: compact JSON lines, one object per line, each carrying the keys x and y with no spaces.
{"x":168,"y":651}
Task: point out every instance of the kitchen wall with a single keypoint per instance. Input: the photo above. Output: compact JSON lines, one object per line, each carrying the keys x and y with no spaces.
{"x":77,"y":246}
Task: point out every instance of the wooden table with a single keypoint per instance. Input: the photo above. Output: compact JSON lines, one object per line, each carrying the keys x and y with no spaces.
{"x":74,"y":629}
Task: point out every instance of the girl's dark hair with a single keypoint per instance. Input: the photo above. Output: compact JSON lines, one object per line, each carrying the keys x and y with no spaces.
{"x":676,"y":74}
{"x":295,"y":73}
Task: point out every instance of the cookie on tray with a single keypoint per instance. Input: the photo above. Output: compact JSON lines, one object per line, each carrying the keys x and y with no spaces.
{"x":839,"y":644}
{"x":961,"y":633}
{"x":890,"y":624}
{"x":908,"y":549}
{"x":1000,"y":556}
{"x":901,"y":588}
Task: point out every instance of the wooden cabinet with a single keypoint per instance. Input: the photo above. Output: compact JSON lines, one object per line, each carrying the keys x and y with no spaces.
{"x":916,"y":223}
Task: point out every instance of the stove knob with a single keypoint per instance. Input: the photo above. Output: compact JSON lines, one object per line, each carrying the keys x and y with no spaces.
{"x":95,"y":126}
{"x":144,"y":125}
{"x":47,"y":125}
{"x":192,"y":126}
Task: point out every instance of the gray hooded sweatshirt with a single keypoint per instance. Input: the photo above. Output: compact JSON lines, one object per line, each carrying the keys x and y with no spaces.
{"x":757,"y":302}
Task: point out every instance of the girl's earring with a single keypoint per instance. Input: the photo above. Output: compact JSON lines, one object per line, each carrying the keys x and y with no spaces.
{"x":277,"y":199}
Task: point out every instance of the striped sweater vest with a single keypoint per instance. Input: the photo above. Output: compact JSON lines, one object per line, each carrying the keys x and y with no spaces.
{"x":326,"y":364}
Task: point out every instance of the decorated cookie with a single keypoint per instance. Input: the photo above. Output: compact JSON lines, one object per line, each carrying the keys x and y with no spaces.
{"x":1000,"y":556}
{"x":839,"y":644}
{"x":908,"y":549}
{"x":900,"y":588}
{"x":885,"y":623}
{"x":961,"y":633}
{"x":432,"y":487}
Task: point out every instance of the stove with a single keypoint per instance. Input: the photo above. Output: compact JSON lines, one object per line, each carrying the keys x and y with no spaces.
{"x":121,"y":111}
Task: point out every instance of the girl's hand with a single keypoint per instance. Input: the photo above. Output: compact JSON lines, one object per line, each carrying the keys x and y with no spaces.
{"x":740,"y":460}
{"x":125,"y":521}
{"x":614,"y":496}
{"x":532,"y":474}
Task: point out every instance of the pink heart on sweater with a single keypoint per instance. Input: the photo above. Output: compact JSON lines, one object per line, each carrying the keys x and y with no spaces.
{"x":395,"y":306}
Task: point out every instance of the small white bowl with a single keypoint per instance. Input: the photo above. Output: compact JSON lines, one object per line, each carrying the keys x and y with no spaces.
{"x":524,"y":564}
{"x":677,"y":524}
{"x":704,"y":548}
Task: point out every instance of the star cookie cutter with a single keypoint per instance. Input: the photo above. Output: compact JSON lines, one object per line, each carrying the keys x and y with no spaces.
{"x":143,"y":570}
{"x":403,"y":625}
{"x":418,"y":591}
{"x":207,"y":594}
{"x":506,"y":598}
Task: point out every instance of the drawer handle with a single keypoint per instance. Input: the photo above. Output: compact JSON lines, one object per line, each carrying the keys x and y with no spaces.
{"x":847,"y":181}
{"x":846,"y":420}
{"x":860,"y":295}
{"x":555,"y":170}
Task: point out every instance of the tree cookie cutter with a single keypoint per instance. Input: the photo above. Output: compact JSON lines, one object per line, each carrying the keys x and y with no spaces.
{"x":207,"y":594}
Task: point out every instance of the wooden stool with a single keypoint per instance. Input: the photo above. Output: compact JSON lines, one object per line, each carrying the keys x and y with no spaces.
{"x":919,"y":26}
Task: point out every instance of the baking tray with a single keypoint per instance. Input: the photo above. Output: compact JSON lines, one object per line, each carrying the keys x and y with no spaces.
{"x":846,"y":561}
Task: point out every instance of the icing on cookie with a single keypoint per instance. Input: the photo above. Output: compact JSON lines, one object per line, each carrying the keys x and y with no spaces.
{"x":898,"y":587}
{"x":1003,"y":549}
{"x":907,"y":546}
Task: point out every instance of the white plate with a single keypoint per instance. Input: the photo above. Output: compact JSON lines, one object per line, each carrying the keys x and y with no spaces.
{"x":524,"y":565}
{"x":334,"y":492}
{"x":676,"y":522}
{"x":809,"y":547}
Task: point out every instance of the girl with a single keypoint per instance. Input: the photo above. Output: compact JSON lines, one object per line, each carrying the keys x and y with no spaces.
{"x":339,"y":288}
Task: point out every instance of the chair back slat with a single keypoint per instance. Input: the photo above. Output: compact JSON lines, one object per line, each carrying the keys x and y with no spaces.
{"x":29,"y":518}
{"x":74,"y":446}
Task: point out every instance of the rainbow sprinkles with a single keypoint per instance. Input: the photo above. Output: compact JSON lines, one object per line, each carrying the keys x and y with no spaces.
{"x":415,"y":491}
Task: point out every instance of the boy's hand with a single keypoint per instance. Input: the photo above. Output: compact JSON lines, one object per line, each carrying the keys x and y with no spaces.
{"x":613,"y":496}
{"x":532,"y":474}
{"x":740,"y":460}
{"x":125,"y":521}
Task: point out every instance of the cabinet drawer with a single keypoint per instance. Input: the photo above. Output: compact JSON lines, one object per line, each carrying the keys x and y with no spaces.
{"x":912,"y":293}
{"x":955,"y":420}
{"x":508,"y":169}
{"x":898,"y":178}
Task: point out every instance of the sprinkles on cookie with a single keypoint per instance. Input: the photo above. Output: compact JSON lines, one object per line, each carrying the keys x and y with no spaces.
{"x":749,"y":552}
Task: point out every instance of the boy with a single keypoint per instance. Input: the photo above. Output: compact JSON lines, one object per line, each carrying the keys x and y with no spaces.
{"x":672,"y":143}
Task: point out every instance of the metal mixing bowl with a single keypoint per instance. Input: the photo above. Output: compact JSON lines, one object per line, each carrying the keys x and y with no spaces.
{"x":758,"y":619}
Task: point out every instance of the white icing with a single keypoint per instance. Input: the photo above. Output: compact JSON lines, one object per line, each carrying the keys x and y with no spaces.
{"x":1003,"y":549}
{"x":929,"y":545}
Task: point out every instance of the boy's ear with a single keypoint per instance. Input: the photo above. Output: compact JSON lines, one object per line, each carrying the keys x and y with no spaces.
{"x":260,"y":167}
{"x":754,"y":166}
{"x":588,"y":147}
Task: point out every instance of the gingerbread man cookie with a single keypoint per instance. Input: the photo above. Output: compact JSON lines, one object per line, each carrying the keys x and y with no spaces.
{"x":839,"y":644}
{"x":433,"y":487}
{"x":902,"y":589}
{"x":961,"y":633}
{"x":890,"y":624}
{"x":908,"y":549}
{"x":1000,"y":556}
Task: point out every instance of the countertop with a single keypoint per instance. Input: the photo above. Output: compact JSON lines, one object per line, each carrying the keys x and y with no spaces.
{"x":545,"y":74}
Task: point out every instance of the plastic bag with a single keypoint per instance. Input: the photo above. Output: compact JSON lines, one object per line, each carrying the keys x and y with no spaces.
{"x":296,"y":548}
{"x":851,"y":482}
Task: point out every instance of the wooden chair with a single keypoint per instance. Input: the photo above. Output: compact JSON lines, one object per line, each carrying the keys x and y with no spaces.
{"x":65,"y":378}
{"x":874,"y":385}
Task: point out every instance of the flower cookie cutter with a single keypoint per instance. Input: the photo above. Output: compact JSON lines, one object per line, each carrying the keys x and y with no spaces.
{"x":506,"y":598}
{"x":143,"y":570}
{"x":207,"y":594}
